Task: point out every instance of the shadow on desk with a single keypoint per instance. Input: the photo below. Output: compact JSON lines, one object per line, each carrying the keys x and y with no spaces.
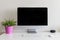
{"x":2,"y":33}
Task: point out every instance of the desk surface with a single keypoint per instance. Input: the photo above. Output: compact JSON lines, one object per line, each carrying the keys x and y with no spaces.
{"x":31,"y":36}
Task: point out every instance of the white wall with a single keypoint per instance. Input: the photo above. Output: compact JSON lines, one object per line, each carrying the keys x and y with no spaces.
{"x":8,"y":9}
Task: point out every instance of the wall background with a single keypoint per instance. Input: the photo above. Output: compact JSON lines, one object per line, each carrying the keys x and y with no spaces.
{"x":8,"y":9}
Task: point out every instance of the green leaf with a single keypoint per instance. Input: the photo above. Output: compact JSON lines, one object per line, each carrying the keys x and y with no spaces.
{"x":9,"y":23}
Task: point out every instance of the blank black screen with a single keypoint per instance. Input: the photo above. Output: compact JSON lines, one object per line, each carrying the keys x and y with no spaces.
{"x":32,"y":16}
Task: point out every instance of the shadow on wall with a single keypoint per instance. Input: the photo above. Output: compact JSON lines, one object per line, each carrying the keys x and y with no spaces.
{"x":58,"y":28}
{"x":10,"y":14}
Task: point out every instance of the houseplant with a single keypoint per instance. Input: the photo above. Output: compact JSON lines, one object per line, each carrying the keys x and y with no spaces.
{"x":8,"y":24}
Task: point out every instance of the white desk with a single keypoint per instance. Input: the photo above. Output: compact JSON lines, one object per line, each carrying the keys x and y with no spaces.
{"x":26,"y":36}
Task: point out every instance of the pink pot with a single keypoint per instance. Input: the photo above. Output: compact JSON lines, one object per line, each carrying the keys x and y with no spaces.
{"x":9,"y":29}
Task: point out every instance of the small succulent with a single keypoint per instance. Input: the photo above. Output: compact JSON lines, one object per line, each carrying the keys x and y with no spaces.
{"x":9,"y":23}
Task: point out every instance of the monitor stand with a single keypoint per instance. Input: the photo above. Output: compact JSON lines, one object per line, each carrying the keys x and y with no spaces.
{"x":31,"y":31}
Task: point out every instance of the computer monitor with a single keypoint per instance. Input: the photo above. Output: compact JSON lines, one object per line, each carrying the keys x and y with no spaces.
{"x":32,"y":16}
